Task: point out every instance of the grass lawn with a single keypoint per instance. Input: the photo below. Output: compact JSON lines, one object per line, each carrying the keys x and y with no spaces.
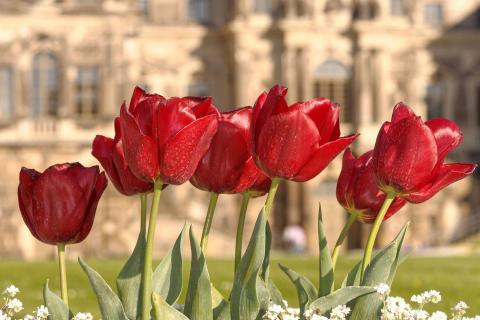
{"x":457,"y":278}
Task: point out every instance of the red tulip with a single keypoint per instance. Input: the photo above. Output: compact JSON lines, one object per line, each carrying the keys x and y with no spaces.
{"x":357,"y":190}
{"x":165,"y":139}
{"x":295,"y":142}
{"x":58,"y":205}
{"x":409,"y":155}
{"x":109,"y":152}
{"x":227,"y":166}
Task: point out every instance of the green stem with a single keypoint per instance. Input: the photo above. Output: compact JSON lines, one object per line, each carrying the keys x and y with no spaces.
{"x":63,"y":272}
{"x":367,"y":256}
{"x":271,"y":196}
{"x":143,"y":213}
{"x":351,"y":219}
{"x":240,"y":227}
{"x":208,"y":221}
{"x":147,"y":266}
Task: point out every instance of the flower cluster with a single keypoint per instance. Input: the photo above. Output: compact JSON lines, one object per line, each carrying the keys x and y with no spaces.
{"x":396,"y":308}
{"x":12,"y":306}
{"x":278,"y":312}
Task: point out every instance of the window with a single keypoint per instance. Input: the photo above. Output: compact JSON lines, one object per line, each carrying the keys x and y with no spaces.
{"x":398,"y":8}
{"x":142,"y":6}
{"x":262,"y":6}
{"x":6,"y":92}
{"x":332,"y":81}
{"x":199,"y":10}
{"x":365,"y":11}
{"x":45,"y":91}
{"x":433,"y":13}
{"x":198,"y":87}
{"x":435,"y":99}
{"x":87,"y":89}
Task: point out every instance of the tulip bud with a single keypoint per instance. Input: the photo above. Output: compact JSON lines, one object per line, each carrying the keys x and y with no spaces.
{"x":295,"y":142}
{"x":58,"y":205}
{"x":409,"y":155}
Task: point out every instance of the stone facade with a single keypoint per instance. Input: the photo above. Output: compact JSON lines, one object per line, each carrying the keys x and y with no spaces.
{"x":67,"y":65}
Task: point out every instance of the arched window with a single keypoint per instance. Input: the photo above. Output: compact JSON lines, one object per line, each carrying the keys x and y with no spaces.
{"x":332,"y":81}
{"x":45,"y":90}
{"x":87,"y":89}
{"x":199,"y":10}
{"x":365,"y":10}
{"x":6,"y":92}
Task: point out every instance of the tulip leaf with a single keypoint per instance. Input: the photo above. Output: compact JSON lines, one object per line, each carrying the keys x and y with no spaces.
{"x":56,"y":307}
{"x":340,"y":297}
{"x":325,"y":260}
{"x":163,"y":311}
{"x":306,"y":290}
{"x":110,"y":305}
{"x":381,"y":270}
{"x":244,"y":300}
{"x":129,"y":280}
{"x":167,"y":280}
{"x":353,"y":277}
{"x":217,"y":297}
{"x":222,"y":311}
{"x":266,"y":260}
{"x":198,"y":303}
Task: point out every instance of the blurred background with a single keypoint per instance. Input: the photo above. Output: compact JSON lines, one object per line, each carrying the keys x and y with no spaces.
{"x":67,"y":65}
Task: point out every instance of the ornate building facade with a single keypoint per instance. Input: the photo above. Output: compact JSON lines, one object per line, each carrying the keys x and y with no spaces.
{"x":67,"y":65}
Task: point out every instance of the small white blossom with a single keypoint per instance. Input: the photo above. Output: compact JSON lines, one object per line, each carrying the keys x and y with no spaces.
{"x":11,"y":291}
{"x":14,"y":305}
{"x":29,"y":317}
{"x":438,"y":315}
{"x":83,"y":316}
{"x":4,"y":316}
{"x":339,"y":313}
{"x":383,"y":289}
{"x":42,"y":312}
{"x":460,"y":306}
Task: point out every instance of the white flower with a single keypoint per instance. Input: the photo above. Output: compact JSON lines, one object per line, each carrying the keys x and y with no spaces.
{"x":339,"y":312}
{"x":4,"y":316}
{"x":14,"y":305}
{"x":42,"y":312}
{"x":438,"y":315}
{"x":383,"y":289}
{"x":83,"y":316}
{"x":29,"y":317}
{"x":11,"y":291}
{"x":317,"y":317}
{"x":431,"y":296}
{"x":418,"y":315}
{"x":460,"y":306}
{"x":275,"y":308}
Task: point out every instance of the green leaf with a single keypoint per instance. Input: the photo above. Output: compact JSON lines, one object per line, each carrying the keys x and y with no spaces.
{"x":340,"y":297}
{"x":163,"y":311}
{"x":167,"y":280}
{"x":268,"y":246}
{"x":381,"y":270}
{"x":129,"y":280}
{"x":244,"y":301}
{"x":198,"y":303}
{"x":222,"y":311}
{"x":217,"y":297}
{"x":110,"y":305}
{"x":306,"y":291}
{"x":353,"y":277}
{"x":275,"y":294}
{"x":326,"y":269}
{"x":56,"y":307}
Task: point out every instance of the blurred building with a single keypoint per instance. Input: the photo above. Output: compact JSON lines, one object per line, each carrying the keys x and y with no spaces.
{"x":67,"y":65}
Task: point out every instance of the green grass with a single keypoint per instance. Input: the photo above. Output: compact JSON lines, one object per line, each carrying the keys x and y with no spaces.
{"x":457,"y":278}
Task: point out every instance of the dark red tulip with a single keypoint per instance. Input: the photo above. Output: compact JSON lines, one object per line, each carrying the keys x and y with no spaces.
{"x":409,"y":155}
{"x":227,"y":166}
{"x":109,"y":152}
{"x":357,"y":190}
{"x":295,"y":142}
{"x":165,"y":139}
{"x":58,"y":205}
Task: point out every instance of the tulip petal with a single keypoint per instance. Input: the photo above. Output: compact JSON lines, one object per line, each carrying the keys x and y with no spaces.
{"x":173,"y":116}
{"x":203,"y":107}
{"x":257,"y":107}
{"x":137,"y":95}
{"x":344,"y":179}
{"x":286,"y":142}
{"x":59,"y":205}
{"x":140,"y":150}
{"x":28,"y":178}
{"x":183,"y":152}
{"x":447,"y":135}
{"x":248,"y":176}
{"x":447,"y":174}
{"x":322,"y":157}
{"x":98,"y":189}
{"x":103,"y":150}
{"x":401,"y":112}
{"x":325,"y":114}
{"x":405,"y":155}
